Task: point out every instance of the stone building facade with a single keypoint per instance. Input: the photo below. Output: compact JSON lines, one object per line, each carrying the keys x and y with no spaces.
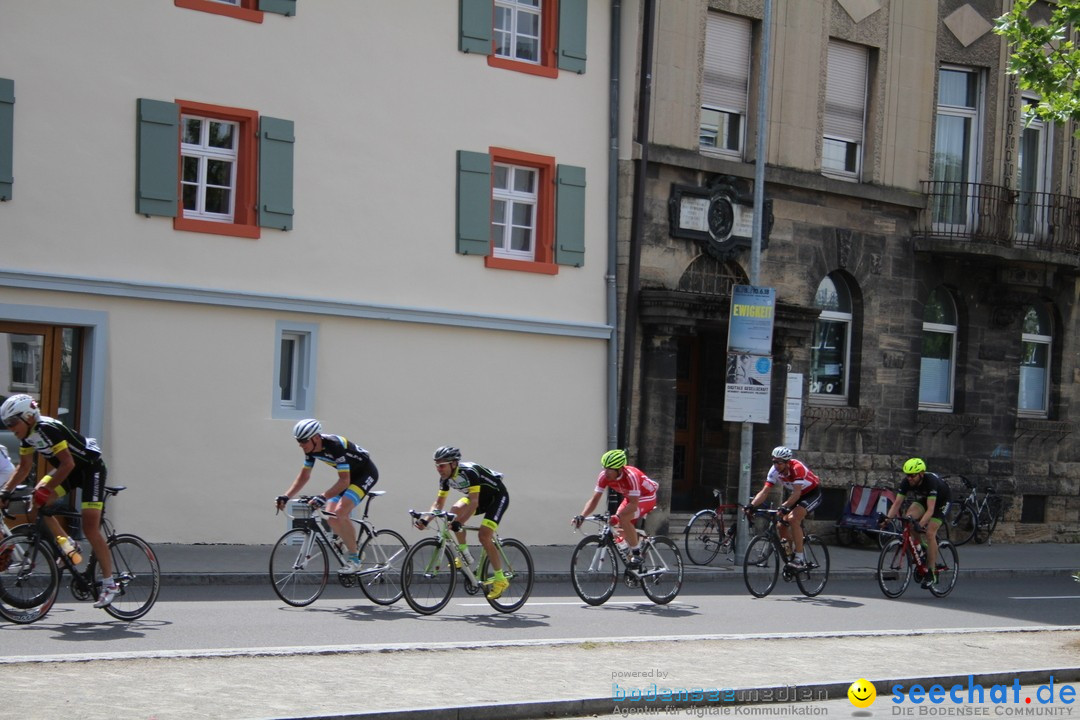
{"x":925,"y":263}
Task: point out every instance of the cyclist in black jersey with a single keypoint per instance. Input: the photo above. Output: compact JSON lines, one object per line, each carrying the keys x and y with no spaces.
{"x":484,"y":493}
{"x":930,"y":496}
{"x":357,"y":474}
{"x":76,"y":464}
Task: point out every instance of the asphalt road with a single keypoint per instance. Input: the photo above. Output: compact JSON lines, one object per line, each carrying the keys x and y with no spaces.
{"x":206,"y":619}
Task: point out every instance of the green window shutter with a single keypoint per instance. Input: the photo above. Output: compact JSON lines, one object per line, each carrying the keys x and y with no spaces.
{"x":7,"y":137}
{"x":281,"y":7}
{"x":572,"y":35}
{"x":473,"y":203}
{"x":157,"y":158}
{"x":475,"y":20}
{"x":276,"y":173}
{"x":570,"y":215}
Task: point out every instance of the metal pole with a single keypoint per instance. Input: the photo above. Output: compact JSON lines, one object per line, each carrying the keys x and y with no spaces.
{"x":746,"y":450}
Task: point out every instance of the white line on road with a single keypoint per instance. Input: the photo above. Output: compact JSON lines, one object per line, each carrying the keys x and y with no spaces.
{"x":1046,"y":597}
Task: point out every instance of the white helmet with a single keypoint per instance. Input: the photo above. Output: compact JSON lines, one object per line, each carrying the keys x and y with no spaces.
{"x":306,"y":429}
{"x":781,"y":453}
{"x":22,"y":407}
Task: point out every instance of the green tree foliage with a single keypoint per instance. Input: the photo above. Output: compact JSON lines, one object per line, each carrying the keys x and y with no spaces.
{"x":1045,"y":57}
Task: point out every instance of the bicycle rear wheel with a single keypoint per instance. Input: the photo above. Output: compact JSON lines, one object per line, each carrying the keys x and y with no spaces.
{"x":946,"y":576}
{"x":894,"y":569}
{"x":703,"y":536}
{"x":29,"y":580}
{"x":299,"y":567}
{"x":962,"y":523}
{"x":761,"y":566}
{"x":813,"y":580}
{"x":517,"y":565}
{"x":136,"y":570}
{"x":428,"y":576}
{"x":661,"y":571}
{"x":987,"y":522}
{"x":593,"y":571}
{"x":382,"y":556}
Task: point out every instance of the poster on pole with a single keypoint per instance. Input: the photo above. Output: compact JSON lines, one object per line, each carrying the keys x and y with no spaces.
{"x":749,"y":363}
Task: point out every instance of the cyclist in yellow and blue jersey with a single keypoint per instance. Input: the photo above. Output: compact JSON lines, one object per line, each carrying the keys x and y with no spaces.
{"x":76,"y":464}
{"x":357,"y":474}
{"x":484,"y":493}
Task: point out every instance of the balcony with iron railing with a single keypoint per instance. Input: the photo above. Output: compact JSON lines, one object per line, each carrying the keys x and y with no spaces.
{"x":996,"y":220}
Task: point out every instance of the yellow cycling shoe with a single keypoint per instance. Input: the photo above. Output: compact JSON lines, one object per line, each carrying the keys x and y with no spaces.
{"x":498,"y":587}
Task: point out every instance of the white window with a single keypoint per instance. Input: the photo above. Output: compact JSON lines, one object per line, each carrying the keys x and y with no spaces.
{"x":517,"y":29}
{"x":208,"y":155}
{"x":294,"y":370}
{"x":513,"y":212}
{"x":956,"y":137}
{"x":1033,"y":181}
{"x":1035,"y":363}
{"x":725,"y":81}
{"x":937,"y":366}
{"x":845,"y":110}
{"x":830,"y":355}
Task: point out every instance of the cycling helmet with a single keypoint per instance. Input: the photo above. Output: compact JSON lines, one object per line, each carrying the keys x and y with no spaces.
{"x":22,"y":407}
{"x":781,"y":452}
{"x":446,"y":453}
{"x":914,"y":465}
{"x":613,"y":459}
{"x":306,"y":429}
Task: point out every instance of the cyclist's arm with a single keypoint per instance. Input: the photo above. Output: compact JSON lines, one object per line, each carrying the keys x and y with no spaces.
{"x":591,"y":504}
{"x":763,"y":493}
{"x":793,"y":498}
{"x":894,"y":509}
{"x":299,"y":482}
{"x":61,"y":471}
{"x":22,"y":470}
{"x":344,"y":479}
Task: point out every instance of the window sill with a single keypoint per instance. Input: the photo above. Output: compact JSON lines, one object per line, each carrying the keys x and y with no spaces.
{"x":523,"y":67}
{"x":214,"y":228}
{"x":239,"y":13}
{"x":498,"y":263}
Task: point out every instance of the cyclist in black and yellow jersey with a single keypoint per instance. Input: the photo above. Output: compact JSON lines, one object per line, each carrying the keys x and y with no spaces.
{"x":357,"y":474}
{"x":76,"y":463}
{"x":930,"y":496}
{"x":484,"y":493}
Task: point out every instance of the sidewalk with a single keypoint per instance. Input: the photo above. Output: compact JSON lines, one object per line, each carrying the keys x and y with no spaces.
{"x":248,"y":564}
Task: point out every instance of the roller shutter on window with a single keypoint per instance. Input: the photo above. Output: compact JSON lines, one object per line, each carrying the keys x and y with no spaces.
{"x":7,"y":137}
{"x":845,"y":92}
{"x":727,"y":63}
{"x":473,"y":203}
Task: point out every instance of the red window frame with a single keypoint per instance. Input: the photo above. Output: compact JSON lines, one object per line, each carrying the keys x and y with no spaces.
{"x":544,"y":240}
{"x":549,"y":61}
{"x":247,"y":10}
{"x":245,"y":218}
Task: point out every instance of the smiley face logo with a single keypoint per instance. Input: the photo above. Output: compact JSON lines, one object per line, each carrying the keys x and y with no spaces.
{"x":862,"y":693}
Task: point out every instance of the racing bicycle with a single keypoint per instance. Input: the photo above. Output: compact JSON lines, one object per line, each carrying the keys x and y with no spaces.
{"x":972,"y":518}
{"x":766,"y":552}
{"x":32,"y":565}
{"x":300,"y":560}
{"x":711,"y":532}
{"x":431,"y":568}
{"x":905,"y":557}
{"x":594,"y":566}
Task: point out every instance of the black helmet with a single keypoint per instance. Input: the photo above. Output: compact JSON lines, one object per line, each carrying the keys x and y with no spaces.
{"x":447,"y":453}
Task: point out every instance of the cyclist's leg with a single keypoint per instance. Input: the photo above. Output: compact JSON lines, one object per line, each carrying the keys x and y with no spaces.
{"x":343,"y":504}
{"x":931,"y":536}
{"x":93,"y":501}
{"x":802,"y":508}
{"x":629,"y":519}
{"x":493,"y":513}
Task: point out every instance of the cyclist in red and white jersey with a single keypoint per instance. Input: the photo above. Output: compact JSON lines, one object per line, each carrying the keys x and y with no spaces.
{"x":639,"y":498}
{"x":804,"y":495}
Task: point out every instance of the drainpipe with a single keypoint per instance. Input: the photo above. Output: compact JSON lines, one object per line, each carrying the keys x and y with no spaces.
{"x":613,"y":227}
{"x":633,"y":280}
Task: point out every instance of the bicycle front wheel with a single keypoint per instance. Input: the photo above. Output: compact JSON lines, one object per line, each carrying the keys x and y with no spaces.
{"x":299,"y":567}
{"x":136,"y":570}
{"x":703,"y":536}
{"x":962,"y":523}
{"x":987,"y":521}
{"x":761,"y":566}
{"x":948,"y":567}
{"x":593,"y":571}
{"x":428,"y":576}
{"x":381,"y":558}
{"x":517,"y":566}
{"x":661,"y":571}
{"x":813,"y":579}
{"x":894,"y":569}
{"x":29,"y":580}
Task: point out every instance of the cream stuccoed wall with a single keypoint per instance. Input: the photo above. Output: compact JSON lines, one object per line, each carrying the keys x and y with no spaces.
{"x":381,"y":103}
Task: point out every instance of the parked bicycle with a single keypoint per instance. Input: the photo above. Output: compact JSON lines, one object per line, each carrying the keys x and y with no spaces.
{"x":594,"y":568}
{"x":32,"y":564}
{"x":765,"y":553}
{"x":428,"y":576}
{"x":972,"y":518}
{"x":300,"y":560}
{"x":711,"y":532}
{"x":905,"y":557}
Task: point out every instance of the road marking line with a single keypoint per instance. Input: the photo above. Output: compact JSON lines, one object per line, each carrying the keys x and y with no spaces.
{"x":1046,"y":597}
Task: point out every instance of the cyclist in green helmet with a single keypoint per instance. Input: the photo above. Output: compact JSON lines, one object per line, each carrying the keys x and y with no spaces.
{"x":638,"y":491}
{"x":930,"y":497}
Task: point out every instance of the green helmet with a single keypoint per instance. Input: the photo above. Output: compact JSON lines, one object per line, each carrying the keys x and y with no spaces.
{"x":914,"y":465}
{"x":613,"y":459}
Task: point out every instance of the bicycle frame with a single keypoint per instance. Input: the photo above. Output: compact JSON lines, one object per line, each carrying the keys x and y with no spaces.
{"x":447,"y":540}
{"x":318,"y":528}
{"x":607,"y":538}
